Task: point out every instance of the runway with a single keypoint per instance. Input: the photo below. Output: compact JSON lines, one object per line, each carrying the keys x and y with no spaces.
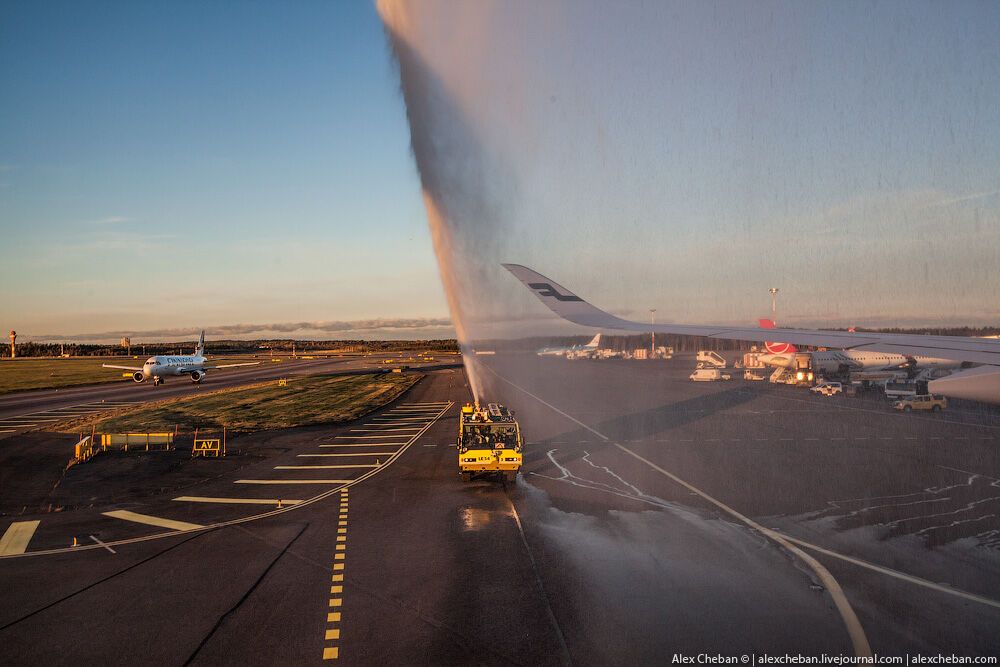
{"x":33,"y":409}
{"x":609,"y":549}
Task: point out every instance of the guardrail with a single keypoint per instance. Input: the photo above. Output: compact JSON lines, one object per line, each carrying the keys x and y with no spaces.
{"x":84,"y":450}
{"x":130,"y":441}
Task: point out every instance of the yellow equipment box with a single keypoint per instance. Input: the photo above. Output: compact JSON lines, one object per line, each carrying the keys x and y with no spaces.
{"x":489,"y":442}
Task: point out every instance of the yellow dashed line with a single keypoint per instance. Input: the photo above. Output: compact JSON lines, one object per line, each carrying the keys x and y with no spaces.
{"x":336,"y":580}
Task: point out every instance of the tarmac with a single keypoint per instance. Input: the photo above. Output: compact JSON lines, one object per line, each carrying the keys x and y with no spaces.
{"x":654,"y":516}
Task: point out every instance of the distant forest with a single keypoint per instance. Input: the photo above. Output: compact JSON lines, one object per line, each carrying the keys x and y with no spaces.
{"x":284,"y":347}
{"x":220,"y":347}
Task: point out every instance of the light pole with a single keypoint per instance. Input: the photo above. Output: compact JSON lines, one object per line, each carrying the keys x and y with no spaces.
{"x":652,"y":334}
{"x":774,"y":304}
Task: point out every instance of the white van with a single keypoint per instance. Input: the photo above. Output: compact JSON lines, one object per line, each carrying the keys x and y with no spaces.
{"x":709,"y":375}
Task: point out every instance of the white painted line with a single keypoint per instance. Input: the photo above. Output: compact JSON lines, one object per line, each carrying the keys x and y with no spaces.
{"x":15,"y":539}
{"x":8,"y":431}
{"x":237,"y":501}
{"x":430,"y":445}
{"x":352,"y":454}
{"x":855,"y":631}
{"x":370,"y":437}
{"x":103,"y":544}
{"x":383,"y":430}
{"x":293,"y":481}
{"x":330,"y":467}
{"x":125,"y":515}
{"x":398,"y":422}
{"x":266,"y":513}
{"x":365,"y":444}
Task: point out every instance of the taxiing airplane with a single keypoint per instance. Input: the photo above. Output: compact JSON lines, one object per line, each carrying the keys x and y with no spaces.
{"x":978,"y":384}
{"x":574,"y":350}
{"x":161,"y":366}
{"x":840,"y":361}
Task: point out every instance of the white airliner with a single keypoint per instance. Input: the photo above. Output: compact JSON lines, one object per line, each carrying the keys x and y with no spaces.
{"x":978,"y":384}
{"x":572,"y":351}
{"x":161,"y":366}
{"x":840,"y":361}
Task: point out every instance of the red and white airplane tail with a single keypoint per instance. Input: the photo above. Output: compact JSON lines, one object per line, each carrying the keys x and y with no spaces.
{"x":772,"y":347}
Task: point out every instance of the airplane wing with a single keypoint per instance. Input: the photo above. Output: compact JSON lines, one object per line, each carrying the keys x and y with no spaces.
{"x":122,"y":368}
{"x":570,"y":307}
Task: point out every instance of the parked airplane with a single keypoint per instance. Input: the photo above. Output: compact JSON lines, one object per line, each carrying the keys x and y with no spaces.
{"x":978,"y":384}
{"x":840,"y":361}
{"x":160,"y":366}
{"x":572,"y":351}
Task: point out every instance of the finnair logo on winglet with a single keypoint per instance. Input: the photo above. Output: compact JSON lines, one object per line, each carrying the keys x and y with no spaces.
{"x":545,"y":289}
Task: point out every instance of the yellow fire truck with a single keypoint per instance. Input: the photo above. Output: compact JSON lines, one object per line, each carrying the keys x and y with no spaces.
{"x":489,"y":442}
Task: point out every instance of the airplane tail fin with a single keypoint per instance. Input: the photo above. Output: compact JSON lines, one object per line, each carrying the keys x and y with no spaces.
{"x":595,"y":341}
{"x":772,"y":347}
{"x":200,"y":350}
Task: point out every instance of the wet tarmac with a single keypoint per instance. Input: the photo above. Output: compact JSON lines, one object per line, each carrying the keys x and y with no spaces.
{"x":653,"y":516}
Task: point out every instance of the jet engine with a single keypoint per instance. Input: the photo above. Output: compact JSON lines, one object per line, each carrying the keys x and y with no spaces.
{"x":196,"y":376}
{"x":138,"y":376}
{"x":975,"y":384}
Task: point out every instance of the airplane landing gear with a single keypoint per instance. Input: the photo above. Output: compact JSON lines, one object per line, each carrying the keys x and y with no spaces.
{"x":157,"y":381}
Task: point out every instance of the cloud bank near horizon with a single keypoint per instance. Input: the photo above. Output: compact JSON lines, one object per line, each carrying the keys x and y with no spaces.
{"x":379,"y":328}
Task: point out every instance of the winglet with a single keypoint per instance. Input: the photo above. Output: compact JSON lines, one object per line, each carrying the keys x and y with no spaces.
{"x":562,"y":302}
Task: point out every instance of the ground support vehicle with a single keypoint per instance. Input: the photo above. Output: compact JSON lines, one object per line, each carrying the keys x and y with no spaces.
{"x":708,"y":375}
{"x":489,"y":442}
{"x":921,"y":402}
{"x":828,"y":388}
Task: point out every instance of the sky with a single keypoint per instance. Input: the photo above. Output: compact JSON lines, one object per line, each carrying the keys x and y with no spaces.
{"x":689,"y":156}
{"x":246,"y":166}
{"x":171,"y":166}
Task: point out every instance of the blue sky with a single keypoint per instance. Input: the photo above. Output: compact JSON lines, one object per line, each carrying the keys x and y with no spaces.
{"x":687,"y":156}
{"x":167,"y":166}
{"x":187,"y":164}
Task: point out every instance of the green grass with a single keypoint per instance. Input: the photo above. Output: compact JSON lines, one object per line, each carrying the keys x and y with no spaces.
{"x":314,"y":400}
{"x":54,"y":372}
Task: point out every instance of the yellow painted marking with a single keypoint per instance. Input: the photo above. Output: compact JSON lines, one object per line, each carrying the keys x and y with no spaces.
{"x":342,"y":538}
{"x":336,"y":602}
{"x":134,"y":517}
{"x":371,"y":437}
{"x":338,"y":566}
{"x":336,"y":589}
{"x":333,"y":617}
{"x":341,"y":523}
{"x":333,"y":633}
{"x":331,"y":653}
{"x":365,"y":444}
{"x":293,"y":481}
{"x":237,"y":501}
{"x":337,"y":577}
{"x":341,"y":547}
{"x":339,"y":556}
{"x":341,"y":531}
{"x":15,"y":539}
